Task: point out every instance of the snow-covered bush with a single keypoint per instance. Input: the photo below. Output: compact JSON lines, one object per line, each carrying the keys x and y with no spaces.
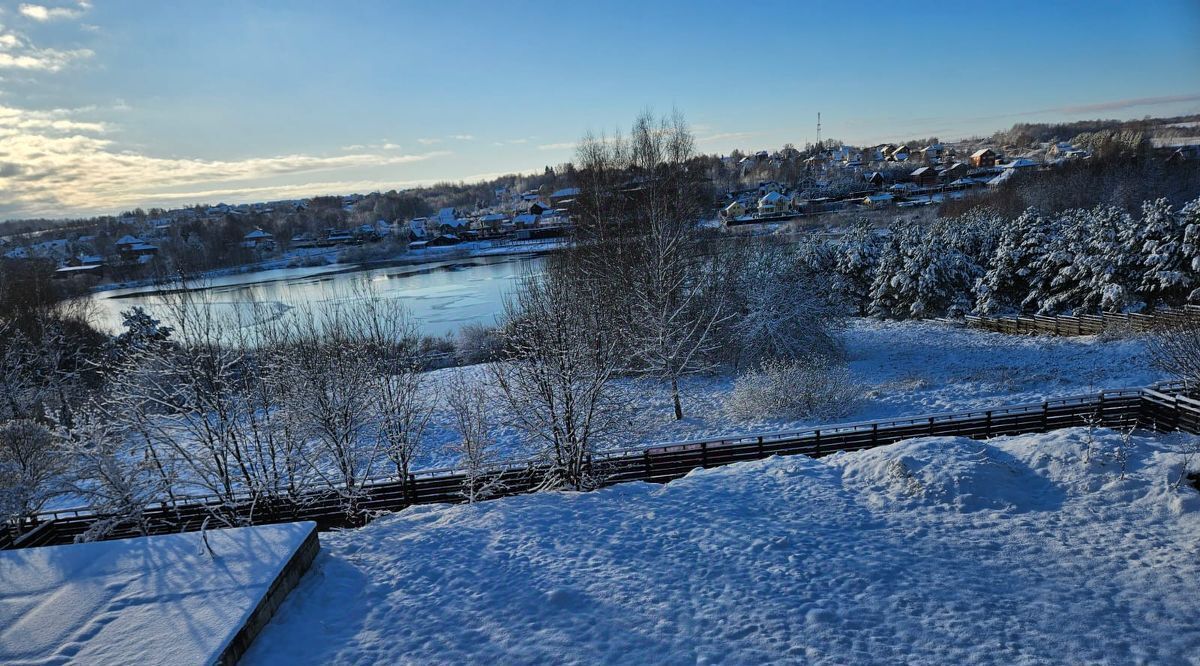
{"x":817,"y":387}
{"x":30,"y":468}
{"x":477,"y":343}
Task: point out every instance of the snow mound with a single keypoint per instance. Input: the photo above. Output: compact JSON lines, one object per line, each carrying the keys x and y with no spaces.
{"x":954,"y":472}
{"x":1020,"y":550}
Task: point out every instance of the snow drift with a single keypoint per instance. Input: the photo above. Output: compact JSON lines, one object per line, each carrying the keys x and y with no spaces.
{"x":1029,"y":549}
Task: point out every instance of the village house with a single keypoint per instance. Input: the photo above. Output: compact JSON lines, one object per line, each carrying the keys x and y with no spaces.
{"x":132,"y":248}
{"x":492,"y":222}
{"x":564,"y":196}
{"x":933,"y":152}
{"x":733,"y":211}
{"x":259,"y":240}
{"x":955,"y":171}
{"x":925,"y":176}
{"x":774,"y":203}
{"x":874,"y":178}
{"x":983,"y":158}
{"x":878,"y":200}
{"x":1020,"y":163}
{"x":417,"y":228}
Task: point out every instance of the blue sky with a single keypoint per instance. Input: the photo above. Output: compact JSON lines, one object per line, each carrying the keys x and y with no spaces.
{"x":111,"y":104}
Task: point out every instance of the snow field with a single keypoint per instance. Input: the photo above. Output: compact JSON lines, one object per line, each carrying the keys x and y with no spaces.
{"x":1021,"y":550}
{"x":905,"y":369}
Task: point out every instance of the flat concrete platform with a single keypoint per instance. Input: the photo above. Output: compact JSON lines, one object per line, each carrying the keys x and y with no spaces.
{"x":151,"y":600}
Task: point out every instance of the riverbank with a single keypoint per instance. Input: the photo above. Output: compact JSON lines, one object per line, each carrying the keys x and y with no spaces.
{"x":332,"y":260}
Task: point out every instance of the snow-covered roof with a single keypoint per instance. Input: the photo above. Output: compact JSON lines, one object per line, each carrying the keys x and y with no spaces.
{"x":924,"y":170}
{"x":129,"y":240}
{"x":982,"y":151}
{"x":258,"y":234}
{"x":1002,"y":178}
{"x":566,"y":192}
{"x":1019,"y":163}
{"x":771,"y":198}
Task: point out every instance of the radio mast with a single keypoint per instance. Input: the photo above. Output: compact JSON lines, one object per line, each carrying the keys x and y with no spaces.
{"x":819,"y":129}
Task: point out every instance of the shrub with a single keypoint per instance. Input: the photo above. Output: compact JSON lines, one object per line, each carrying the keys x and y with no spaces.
{"x":816,"y":387}
{"x":477,"y":343}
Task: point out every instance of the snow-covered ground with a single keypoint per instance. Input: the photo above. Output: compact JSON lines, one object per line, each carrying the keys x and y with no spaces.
{"x":905,"y":368}
{"x":1024,"y":550}
{"x":155,"y":600}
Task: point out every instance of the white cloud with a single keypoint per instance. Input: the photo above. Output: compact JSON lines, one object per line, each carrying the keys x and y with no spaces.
{"x":564,"y":145}
{"x":44,"y":13}
{"x":55,"y":164}
{"x":428,"y":141}
{"x":463,"y":137}
{"x":16,"y":52}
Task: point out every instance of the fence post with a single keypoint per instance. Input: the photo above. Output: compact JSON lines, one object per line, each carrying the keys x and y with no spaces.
{"x":1100,"y":408}
{"x":1045,"y":415}
{"x":817,"y":450}
{"x":931,"y":425}
{"x":874,"y":434}
{"x":704,"y":455}
{"x":987,"y":432}
{"x":761,"y":452}
{"x":646,"y":462}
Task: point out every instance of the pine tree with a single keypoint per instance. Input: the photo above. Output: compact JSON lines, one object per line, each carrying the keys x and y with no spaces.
{"x":1008,"y":279}
{"x":1158,"y":247}
{"x":856,"y":265}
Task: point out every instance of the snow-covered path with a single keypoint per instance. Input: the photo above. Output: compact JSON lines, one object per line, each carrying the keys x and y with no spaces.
{"x":1023,"y":550}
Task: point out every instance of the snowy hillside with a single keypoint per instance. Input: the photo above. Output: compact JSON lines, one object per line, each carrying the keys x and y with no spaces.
{"x":1022,"y":550}
{"x":904,"y":368}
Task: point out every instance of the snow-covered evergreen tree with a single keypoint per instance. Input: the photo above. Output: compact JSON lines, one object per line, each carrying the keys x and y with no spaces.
{"x":1010,"y":272}
{"x":1157,"y":245}
{"x":856,"y":265}
{"x":1106,"y":271}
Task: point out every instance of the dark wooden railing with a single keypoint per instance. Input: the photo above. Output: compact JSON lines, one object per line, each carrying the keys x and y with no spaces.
{"x":1163,"y":407}
{"x":1087,"y":324}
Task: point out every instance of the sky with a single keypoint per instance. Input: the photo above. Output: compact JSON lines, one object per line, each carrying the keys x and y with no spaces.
{"x":107,"y":105}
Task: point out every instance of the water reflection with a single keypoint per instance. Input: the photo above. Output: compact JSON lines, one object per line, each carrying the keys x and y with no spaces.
{"x":441,"y":296}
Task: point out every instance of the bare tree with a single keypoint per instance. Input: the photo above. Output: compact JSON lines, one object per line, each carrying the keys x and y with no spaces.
{"x":557,"y":370}
{"x":642,"y":201}
{"x":31,"y":468}
{"x":1175,"y":346}
{"x":116,"y":476}
{"x":469,"y":402}
{"x":329,"y":400}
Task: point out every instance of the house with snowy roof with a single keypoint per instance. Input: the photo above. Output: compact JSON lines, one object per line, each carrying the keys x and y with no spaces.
{"x":774,"y":203}
{"x":1020,"y":163}
{"x":259,"y":239}
{"x":983,"y":158}
{"x":733,"y":210}
{"x":925,"y":176}
{"x":933,"y":152}
{"x":565,"y":195}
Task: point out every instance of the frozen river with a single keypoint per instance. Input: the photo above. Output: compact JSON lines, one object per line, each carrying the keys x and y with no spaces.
{"x":442,"y":296}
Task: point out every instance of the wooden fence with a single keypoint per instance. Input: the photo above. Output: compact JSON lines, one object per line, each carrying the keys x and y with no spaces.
{"x":1084,"y":324}
{"x":1164,"y":407}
